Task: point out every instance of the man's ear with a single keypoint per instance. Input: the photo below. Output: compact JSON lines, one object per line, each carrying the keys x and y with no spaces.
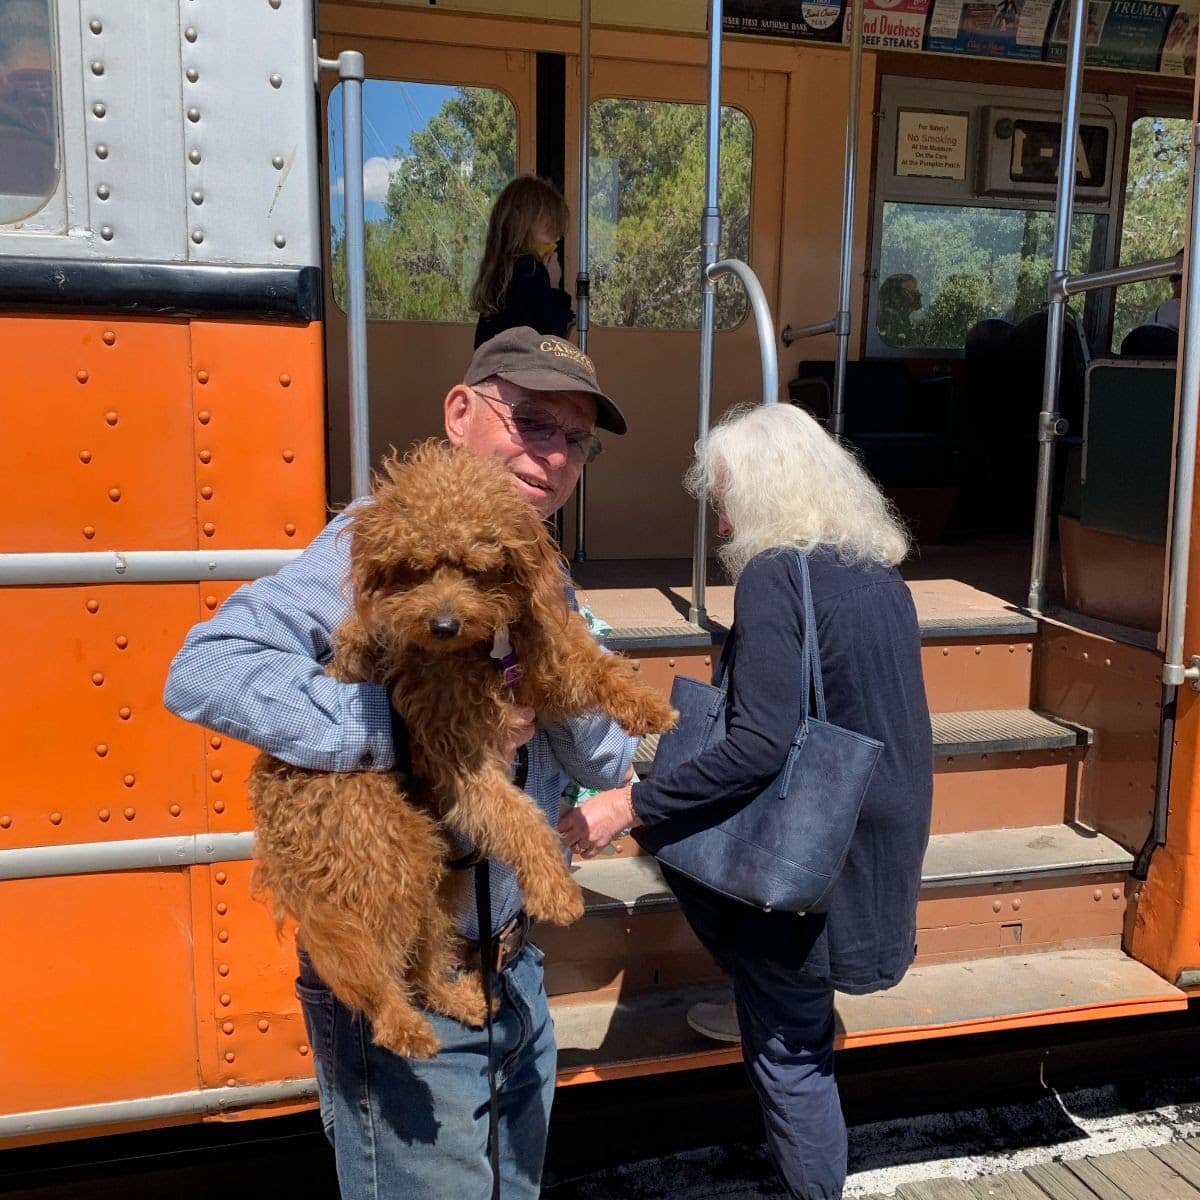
{"x":459,"y":406}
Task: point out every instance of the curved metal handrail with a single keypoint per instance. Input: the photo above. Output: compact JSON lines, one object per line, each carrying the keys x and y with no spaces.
{"x":762,"y":319}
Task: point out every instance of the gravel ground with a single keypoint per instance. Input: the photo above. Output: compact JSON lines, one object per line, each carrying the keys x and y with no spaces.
{"x":884,"y":1154}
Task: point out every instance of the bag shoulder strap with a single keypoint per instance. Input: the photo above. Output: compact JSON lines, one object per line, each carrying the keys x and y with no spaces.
{"x":813,"y":680}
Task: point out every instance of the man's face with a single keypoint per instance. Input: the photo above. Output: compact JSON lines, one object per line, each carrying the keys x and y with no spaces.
{"x":478,"y":419}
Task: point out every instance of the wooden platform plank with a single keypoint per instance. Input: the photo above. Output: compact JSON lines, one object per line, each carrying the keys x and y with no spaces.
{"x":1144,"y":1177}
{"x":1058,"y":1183}
{"x":1011,"y":1186}
{"x":935,"y":1189}
{"x":1182,"y":1158}
{"x":1086,"y":1171}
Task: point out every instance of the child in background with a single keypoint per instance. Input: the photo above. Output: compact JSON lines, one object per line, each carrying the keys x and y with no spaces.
{"x":520,"y":275}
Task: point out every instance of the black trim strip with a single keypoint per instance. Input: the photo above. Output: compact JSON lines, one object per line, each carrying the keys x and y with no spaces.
{"x":160,"y":289}
{"x":551,"y":103}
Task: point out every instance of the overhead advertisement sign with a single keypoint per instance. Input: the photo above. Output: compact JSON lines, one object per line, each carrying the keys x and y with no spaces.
{"x":1179,"y":50}
{"x":989,"y":28}
{"x":931,"y":145}
{"x":1127,"y":34}
{"x":813,"y":20}
{"x":890,"y":24}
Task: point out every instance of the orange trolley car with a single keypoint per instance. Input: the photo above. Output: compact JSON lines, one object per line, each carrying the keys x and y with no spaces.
{"x":176,"y":249}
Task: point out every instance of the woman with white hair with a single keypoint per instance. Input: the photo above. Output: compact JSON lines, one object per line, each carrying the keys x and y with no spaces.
{"x":780,"y":484}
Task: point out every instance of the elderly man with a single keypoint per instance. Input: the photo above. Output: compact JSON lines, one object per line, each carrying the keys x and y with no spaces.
{"x":418,"y":1129}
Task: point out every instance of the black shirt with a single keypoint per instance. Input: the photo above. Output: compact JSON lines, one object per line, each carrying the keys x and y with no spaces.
{"x":529,"y":300}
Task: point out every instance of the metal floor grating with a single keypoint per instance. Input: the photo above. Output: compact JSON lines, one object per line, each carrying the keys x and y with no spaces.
{"x":985,"y":856}
{"x":979,"y":731}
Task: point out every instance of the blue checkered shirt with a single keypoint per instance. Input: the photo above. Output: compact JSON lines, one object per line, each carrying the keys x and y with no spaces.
{"x":255,"y":672}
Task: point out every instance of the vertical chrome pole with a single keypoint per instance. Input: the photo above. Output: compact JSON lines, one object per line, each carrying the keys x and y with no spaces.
{"x":710,"y":240}
{"x":1175,"y":671}
{"x":351,"y":72}
{"x":582,"y":281}
{"x":1185,"y":468}
{"x":841,"y":327}
{"x":1048,"y":420}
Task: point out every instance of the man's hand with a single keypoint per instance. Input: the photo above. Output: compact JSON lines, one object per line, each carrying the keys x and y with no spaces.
{"x":586,"y":830}
{"x":522,"y":724}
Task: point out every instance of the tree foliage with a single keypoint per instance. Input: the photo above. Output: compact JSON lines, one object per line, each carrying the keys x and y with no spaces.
{"x":1155,"y":212}
{"x":647,"y":178}
{"x":422,"y":256}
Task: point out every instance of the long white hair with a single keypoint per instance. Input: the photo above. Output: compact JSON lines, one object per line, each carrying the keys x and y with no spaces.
{"x":781,"y":480}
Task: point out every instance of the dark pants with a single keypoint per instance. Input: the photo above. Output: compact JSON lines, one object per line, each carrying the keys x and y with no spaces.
{"x":787,"y":1027}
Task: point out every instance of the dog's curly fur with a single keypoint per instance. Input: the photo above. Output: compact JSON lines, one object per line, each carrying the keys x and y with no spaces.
{"x":444,"y":540}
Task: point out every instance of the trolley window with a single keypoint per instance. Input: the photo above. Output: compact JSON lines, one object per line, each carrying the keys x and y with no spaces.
{"x":963,"y":225}
{"x":435,"y":158}
{"x":942,"y":269}
{"x":646,"y":179}
{"x":1155,"y":215}
{"x":29,"y":167}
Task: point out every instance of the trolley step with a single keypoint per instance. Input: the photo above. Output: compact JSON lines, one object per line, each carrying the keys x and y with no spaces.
{"x":635,"y":884}
{"x":978,"y":731}
{"x":640,"y":1034}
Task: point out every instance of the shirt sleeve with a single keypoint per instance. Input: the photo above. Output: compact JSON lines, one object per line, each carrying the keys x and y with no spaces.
{"x":254,"y":671}
{"x":764,"y":703}
{"x":592,"y":749}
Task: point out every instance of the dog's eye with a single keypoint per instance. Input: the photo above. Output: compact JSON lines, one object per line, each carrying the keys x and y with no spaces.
{"x":400,"y":577}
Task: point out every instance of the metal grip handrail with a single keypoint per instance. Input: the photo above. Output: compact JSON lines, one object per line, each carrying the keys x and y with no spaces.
{"x":762,"y":320}
{"x":351,"y":70}
{"x":788,"y":335}
{"x":1073,"y":285}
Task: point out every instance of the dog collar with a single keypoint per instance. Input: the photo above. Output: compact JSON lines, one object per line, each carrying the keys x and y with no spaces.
{"x":503,"y":652}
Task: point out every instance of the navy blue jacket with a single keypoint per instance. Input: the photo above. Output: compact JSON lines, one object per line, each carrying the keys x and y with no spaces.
{"x":871,"y":663}
{"x":529,"y":300}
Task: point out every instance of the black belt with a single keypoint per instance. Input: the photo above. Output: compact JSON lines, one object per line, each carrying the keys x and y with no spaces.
{"x":505,"y":945}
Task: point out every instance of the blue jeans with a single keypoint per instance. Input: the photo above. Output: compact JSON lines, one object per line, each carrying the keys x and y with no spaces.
{"x":787,"y":1024}
{"x":415,"y":1129}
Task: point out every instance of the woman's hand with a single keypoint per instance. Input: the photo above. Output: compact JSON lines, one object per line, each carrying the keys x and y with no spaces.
{"x":586,"y":830}
{"x":522,"y":723}
{"x":553,"y":268}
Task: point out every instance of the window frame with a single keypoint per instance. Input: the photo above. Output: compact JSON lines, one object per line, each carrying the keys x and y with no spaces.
{"x":899,"y":93}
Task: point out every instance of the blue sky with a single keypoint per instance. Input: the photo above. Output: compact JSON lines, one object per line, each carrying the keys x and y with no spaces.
{"x":391,"y":112}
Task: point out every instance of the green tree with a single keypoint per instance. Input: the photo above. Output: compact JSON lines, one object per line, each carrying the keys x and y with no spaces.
{"x":1155,"y":212}
{"x":421,"y":257}
{"x":647,"y":178}
{"x":647,"y":192}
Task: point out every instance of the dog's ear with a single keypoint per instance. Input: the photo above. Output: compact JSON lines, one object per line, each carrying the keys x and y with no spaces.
{"x":540,"y":569}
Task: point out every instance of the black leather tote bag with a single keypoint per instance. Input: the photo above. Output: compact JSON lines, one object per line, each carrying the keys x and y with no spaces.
{"x":783,"y":849}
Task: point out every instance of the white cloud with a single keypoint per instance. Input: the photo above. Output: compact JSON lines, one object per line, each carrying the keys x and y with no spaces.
{"x":377,"y":173}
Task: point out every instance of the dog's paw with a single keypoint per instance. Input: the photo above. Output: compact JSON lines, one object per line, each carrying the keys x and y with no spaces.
{"x":651,"y":713}
{"x":409,"y":1042}
{"x":462,"y":999}
{"x":405,"y":1032}
{"x":560,"y":904}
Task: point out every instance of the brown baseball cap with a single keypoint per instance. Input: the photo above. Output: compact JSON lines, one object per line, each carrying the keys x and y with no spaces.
{"x":543,"y":363}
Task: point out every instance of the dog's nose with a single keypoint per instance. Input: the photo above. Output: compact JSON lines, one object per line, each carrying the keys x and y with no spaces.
{"x":443,"y":626}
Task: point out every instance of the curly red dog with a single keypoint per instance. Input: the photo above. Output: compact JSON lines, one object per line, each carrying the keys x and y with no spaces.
{"x":444,"y":558}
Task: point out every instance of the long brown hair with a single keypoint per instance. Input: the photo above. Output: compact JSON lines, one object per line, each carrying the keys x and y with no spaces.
{"x":524,"y":203}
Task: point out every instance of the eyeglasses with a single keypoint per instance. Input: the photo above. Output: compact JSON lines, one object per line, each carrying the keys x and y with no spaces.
{"x":535,"y":425}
